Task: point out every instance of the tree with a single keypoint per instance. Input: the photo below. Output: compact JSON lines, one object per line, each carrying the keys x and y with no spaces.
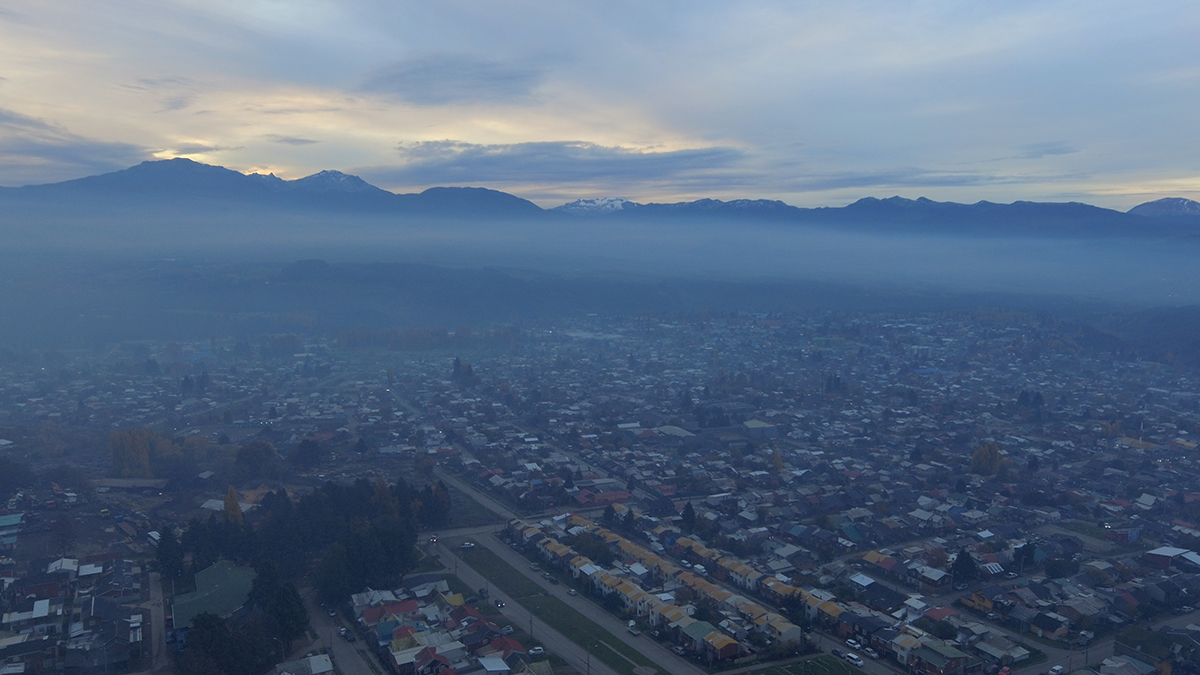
{"x":288,"y":613}
{"x":986,"y":460}
{"x":1059,"y":568}
{"x":258,"y":459}
{"x":134,"y":449}
{"x":964,"y":568}
{"x":284,"y":614}
{"x":1023,"y":555}
{"x":169,"y":555}
{"x":609,"y":517}
{"x":307,"y":453}
{"x":233,"y":508}
{"x":688,"y":518}
{"x":332,"y":573}
{"x":64,"y":532}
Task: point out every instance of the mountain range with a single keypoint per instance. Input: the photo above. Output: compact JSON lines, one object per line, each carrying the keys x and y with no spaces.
{"x":185,"y":185}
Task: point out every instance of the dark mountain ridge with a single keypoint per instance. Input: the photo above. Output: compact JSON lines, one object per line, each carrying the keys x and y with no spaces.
{"x":176,"y":181}
{"x":160,"y":186}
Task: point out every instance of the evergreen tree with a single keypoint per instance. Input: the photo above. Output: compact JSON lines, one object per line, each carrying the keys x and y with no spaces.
{"x":332,"y":582}
{"x":964,"y":568}
{"x":169,"y":555}
{"x":609,"y":517}
{"x":688,"y":518}
{"x":233,"y":509}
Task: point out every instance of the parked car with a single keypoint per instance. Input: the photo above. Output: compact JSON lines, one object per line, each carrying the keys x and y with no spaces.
{"x":536,"y":651}
{"x":507,"y":630}
{"x":1057,"y":670}
{"x":483,"y":592}
{"x":534,"y":566}
{"x":960,"y":587}
{"x":1010,"y":575}
{"x":855,"y":659}
{"x":572,"y":592}
{"x":836,"y":652}
{"x":870,"y":652}
{"x":679,"y":651}
{"x":853,"y":644}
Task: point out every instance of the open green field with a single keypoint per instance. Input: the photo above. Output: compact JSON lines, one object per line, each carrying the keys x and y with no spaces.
{"x":466,"y":512}
{"x":821,"y":665}
{"x":583,"y":631}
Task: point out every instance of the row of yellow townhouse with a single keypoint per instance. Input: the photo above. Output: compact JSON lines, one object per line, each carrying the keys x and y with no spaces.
{"x":663,"y":614}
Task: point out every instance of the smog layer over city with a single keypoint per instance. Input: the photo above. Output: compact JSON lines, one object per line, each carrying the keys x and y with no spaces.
{"x":531,"y":338}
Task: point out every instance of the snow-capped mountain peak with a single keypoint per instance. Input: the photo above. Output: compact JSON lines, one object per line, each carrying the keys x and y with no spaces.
{"x":332,"y":181}
{"x":597,"y":206}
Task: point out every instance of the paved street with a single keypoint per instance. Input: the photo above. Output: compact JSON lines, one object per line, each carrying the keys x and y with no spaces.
{"x":350,"y":658}
{"x":154,"y":628}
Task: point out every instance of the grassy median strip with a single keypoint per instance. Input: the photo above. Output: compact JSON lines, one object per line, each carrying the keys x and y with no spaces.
{"x":578,"y":628}
{"x":821,"y":665}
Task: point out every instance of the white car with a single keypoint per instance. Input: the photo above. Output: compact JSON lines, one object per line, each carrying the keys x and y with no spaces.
{"x":853,"y":644}
{"x":1057,"y":670}
{"x":855,"y":659}
{"x":536,"y":651}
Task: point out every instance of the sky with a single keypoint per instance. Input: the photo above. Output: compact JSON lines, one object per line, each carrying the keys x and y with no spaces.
{"x":813,"y":103}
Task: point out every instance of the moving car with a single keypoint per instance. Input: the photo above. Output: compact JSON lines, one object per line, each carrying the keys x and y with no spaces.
{"x":467,"y":544}
{"x":572,"y":591}
{"x":500,"y":603}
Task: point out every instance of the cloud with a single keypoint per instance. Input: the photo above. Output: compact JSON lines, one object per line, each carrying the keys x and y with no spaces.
{"x":172,"y":93}
{"x":199,"y":148}
{"x":290,"y":140}
{"x":568,"y":163}
{"x":453,"y":78}
{"x":34,"y":150}
{"x":1048,"y":149}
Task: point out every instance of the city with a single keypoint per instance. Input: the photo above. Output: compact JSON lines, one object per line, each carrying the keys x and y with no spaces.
{"x":951,"y":493}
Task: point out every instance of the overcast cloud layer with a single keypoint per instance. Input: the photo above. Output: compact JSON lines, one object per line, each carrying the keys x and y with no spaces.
{"x":813,"y":103}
